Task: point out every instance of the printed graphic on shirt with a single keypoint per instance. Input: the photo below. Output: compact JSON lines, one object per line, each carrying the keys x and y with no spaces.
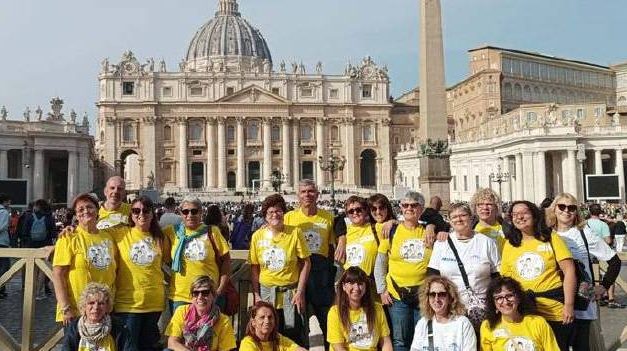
{"x":519,"y":344}
{"x":313,"y":240}
{"x":99,"y":255}
{"x":355,"y":254}
{"x":412,"y":250}
{"x":359,"y":336}
{"x":142,"y":252}
{"x":195,"y":250}
{"x":111,"y":221}
{"x":274,"y":258}
{"x":86,"y":345}
{"x":530,"y":265}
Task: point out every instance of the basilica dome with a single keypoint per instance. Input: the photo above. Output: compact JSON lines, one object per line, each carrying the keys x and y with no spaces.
{"x":228,"y":42}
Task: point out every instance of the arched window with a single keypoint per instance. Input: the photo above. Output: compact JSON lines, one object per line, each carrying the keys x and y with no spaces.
{"x":335,"y":133}
{"x":527,"y":93}
{"x":507,"y":90}
{"x":167,"y":133}
{"x":252,"y":131}
{"x":128,"y":132}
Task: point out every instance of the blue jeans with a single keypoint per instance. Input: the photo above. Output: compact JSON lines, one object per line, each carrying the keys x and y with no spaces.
{"x":404,"y":319}
{"x":142,"y":329}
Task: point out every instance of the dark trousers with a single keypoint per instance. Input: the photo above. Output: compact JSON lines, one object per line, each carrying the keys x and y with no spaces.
{"x":320,"y":291}
{"x":142,"y":329}
{"x":563,"y":333}
{"x":5,"y":264}
{"x":296,"y":333}
{"x":581,"y":337}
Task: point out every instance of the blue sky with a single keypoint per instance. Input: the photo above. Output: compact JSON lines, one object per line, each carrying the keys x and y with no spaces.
{"x":50,"y":48}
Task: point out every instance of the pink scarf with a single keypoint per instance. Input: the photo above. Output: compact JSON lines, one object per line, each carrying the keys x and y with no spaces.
{"x":198,"y":329}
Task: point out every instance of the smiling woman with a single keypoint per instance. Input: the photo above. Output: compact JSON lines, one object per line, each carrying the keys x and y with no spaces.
{"x":262,"y":331}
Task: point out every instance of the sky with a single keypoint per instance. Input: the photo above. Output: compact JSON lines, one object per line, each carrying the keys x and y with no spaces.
{"x":54,"y":48}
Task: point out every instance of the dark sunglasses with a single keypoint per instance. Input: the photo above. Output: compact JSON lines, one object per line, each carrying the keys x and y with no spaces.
{"x":358,"y":210}
{"x":563,"y":207}
{"x":412,"y":205}
{"x":193,"y":211}
{"x":136,"y":211}
{"x":440,"y":294}
{"x":377,"y":208}
{"x":204,"y":293}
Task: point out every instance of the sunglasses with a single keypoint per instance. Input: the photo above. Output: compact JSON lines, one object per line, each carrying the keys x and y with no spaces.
{"x":563,"y":207}
{"x":413,"y":205}
{"x":145,"y":211}
{"x":440,"y":294}
{"x":204,"y":293}
{"x":356,"y":210}
{"x":377,"y":208}
{"x":193,"y":211}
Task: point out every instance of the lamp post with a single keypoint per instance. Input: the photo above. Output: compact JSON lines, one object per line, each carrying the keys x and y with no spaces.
{"x":333,"y":164}
{"x":277,"y":179}
{"x":499,"y":177}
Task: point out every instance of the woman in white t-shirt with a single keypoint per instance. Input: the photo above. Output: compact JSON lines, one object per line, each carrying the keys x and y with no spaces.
{"x":478,"y":255}
{"x":443,"y":325}
{"x":563,"y":216}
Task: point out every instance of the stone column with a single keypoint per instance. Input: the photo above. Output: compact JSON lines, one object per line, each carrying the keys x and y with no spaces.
{"x":240,"y":180}
{"x":540,"y":171}
{"x":221,"y":153}
{"x":267,"y":152}
{"x":598,"y":163}
{"x":619,"y":169}
{"x":72,"y":170}
{"x":319,"y":152}
{"x":507,"y":186}
{"x":182,"y":178}
{"x":39,"y":175}
{"x":383,"y":140}
{"x":558,"y":179}
{"x":4,"y":164}
{"x":148,"y":145}
{"x":349,"y":146}
{"x":285,"y":151}
{"x":520,"y":183}
{"x":211,"y":153}
{"x":571,"y":173}
{"x":295,"y":152}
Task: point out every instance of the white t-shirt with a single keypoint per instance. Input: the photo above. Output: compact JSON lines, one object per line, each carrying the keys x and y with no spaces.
{"x":456,"y":335}
{"x":598,"y":248}
{"x":479,"y":256}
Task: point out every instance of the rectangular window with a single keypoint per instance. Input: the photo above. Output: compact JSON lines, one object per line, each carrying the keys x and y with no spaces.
{"x":334,"y":94}
{"x":229,"y":90}
{"x":581,"y":114}
{"x":276,"y":152}
{"x":128,"y":88}
{"x":366,"y":91}
{"x":166,"y":91}
{"x":197,"y":152}
{"x":477,"y":182}
{"x":230,"y":152}
{"x":306,"y":92}
{"x":195,"y":91}
{"x":230,"y":133}
{"x":454,"y":180}
{"x":275,"y":91}
{"x":307,"y":152}
{"x":465,"y":183}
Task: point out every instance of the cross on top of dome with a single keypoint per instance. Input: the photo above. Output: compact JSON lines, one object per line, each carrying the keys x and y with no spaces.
{"x":227,"y":8}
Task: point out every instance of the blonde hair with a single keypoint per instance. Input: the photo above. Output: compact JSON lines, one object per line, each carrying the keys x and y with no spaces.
{"x":455,"y":305}
{"x":203,"y":280}
{"x":549,"y":213}
{"x":95,"y":289}
{"x":485,"y":194}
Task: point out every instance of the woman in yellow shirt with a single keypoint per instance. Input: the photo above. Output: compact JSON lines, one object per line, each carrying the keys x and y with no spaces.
{"x":485,"y":204}
{"x":356,"y":321}
{"x":200,"y":326}
{"x":511,"y":323}
{"x":362,"y":240}
{"x":279,"y":265}
{"x":262,"y":332}
{"x":534,"y":256}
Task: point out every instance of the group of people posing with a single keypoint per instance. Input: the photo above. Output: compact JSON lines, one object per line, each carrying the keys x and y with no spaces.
{"x":521,"y":281}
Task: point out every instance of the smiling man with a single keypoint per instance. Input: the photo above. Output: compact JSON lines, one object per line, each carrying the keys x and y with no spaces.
{"x":113,"y":211}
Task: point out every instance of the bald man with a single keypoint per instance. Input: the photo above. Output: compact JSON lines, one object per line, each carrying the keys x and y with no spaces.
{"x":113,"y":211}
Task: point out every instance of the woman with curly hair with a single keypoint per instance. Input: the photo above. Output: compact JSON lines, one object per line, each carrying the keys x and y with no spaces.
{"x":262,"y":332}
{"x":356,"y":321}
{"x":511,"y":322}
{"x":443,"y":325}
{"x":485,"y":205}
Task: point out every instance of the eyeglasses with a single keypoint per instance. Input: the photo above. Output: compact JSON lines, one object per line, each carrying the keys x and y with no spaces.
{"x":186,"y":211}
{"x":413,"y":205}
{"x":275,"y":212}
{"x":377,"y":208}
{"x":564,"y":207}
{"x":356,"y":210}
{"x":486,"y":204}
{"x":439,"y":294}
{"x":145,"y":211}
{"x":204,"y":293}
{"x":501,"y":298}
{"x":87,"y":208}
{"x":521,"y":214}
{"x":461,"y":215}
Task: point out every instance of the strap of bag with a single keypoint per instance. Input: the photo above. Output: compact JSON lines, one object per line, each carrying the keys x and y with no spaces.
{"x":430,"y":334}
{"x":585,"y":241}
{"x":216,"y":253}
{"x":374,"y":233}
{"x":459,"y":263}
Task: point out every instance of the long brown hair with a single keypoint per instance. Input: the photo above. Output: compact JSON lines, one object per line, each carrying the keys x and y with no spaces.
{"x":355,"y":275}
{"x":250,"y":329}
{"x":155,"y":229}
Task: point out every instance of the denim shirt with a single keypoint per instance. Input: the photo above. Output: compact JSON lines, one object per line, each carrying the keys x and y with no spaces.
{"x":4,"y":226}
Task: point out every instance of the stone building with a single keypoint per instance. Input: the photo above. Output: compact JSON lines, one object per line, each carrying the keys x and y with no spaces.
{"x":52,"y":152}
{"x":229,"y":116}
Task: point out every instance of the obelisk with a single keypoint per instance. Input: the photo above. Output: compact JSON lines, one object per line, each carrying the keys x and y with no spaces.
{"x":435,"y":173}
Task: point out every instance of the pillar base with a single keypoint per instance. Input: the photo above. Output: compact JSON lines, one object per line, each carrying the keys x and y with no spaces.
{"x":435,"y":179}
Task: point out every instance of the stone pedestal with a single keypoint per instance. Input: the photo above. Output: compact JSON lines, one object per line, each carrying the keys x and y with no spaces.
{"x":435,"y":179}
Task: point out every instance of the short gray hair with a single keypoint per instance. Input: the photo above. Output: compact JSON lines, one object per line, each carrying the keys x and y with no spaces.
{"x":415,"y":196}
{"x":192,"y":200}
{"x":307,"y":182}
{"x":95,"y":289}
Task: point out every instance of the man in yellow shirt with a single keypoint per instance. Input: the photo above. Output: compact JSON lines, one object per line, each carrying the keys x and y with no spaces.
{"x":113,"y":211}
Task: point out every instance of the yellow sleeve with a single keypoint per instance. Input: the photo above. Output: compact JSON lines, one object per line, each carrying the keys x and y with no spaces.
{"x":248,"y":344}
{"x":546,"y":335}
{"x":334,"y":329}
{"x":561,"y":250}
{"x":382,"y":322}
{"x":252,"y":251}
{"x":484,"y":342}
{"x":226,"y":335}
{"x":384,"y":246}
{"x":175,"y":327}
{"x":63,"y":252}
{"x":221,"y":244}
{"x":302,"y":250}
{"x":286,"y":344}
{"x":506,"y":261}
{"x":168,"y":241}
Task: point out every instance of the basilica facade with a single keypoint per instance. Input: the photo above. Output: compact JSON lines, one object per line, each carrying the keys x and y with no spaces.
{"x":229,"y":117}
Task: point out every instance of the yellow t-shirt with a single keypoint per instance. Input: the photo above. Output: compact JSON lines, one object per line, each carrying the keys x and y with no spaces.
{"x":359,"y":338}
{"x":108,"y":344}
{"x":277,"y":255}
{"x":532,"y":333}
{"x":533,"y":265}
{"x":223,"y":334}
{"x":492,"y":231}
{"x":408,"y":258}
{"x":198,"y":259}
{"x":317,"y":229}
{"x":361,"y":247}
{"x":139,"y":282}
{"x":108,"y":219}
{"x":90,"y":258}
{"x":285,"y":344}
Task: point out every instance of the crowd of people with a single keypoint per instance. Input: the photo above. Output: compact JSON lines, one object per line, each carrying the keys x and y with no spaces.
{"x":380,"y":275}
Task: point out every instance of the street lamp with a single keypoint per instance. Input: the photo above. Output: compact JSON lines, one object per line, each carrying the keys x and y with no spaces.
{"x":499,"y":177}
{"x":277,"y":179}
{"x":332,"y":164}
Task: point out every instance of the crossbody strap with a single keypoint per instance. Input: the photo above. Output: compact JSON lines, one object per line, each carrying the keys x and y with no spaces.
{"x":585,"y":241}
{"x":430,"y":334}
{"x":462,"y":270}
{"x":216,"y":253}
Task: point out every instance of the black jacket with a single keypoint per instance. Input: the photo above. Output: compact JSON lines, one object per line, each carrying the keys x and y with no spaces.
{"x":27,"y":222}
{"x":431,"y":216}
{"x":119,"y":333}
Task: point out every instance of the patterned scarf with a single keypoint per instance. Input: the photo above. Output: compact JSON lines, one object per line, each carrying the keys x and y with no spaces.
{"x":198,"y":329}
{"x":94,"y":333}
